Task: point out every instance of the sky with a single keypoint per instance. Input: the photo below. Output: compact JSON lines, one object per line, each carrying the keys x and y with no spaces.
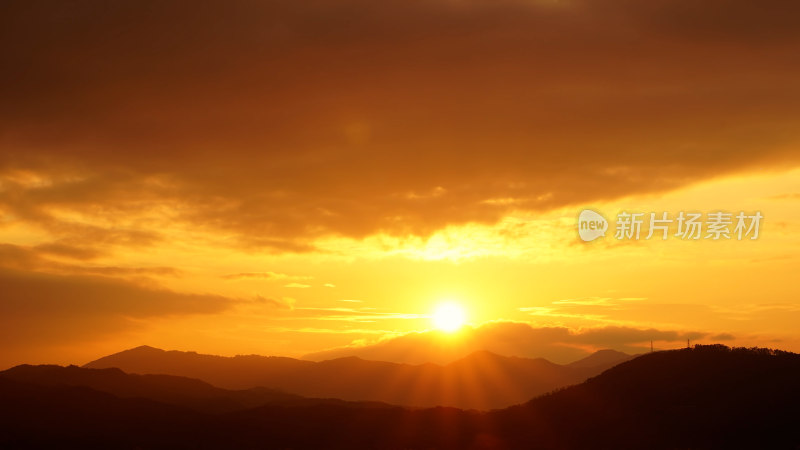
{"x":313,"y":179}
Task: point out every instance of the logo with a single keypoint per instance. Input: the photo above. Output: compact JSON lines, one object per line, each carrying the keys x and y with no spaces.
{"x":591,"y":225}
{"x":691,"y":226}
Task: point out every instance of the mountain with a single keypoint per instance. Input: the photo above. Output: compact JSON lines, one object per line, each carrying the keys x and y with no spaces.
{"x":174,"y":390}
{"x":61,"y":416}
{"x":602,"y":358}
{"x":707,"y":397}
{"x":35,"y":416}
{"x":482,"y":380}
{"x":238,"y":372}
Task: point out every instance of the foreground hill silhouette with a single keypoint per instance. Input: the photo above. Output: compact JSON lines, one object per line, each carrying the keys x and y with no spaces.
{"x":482,"y":380}
{"x":705,"y":397}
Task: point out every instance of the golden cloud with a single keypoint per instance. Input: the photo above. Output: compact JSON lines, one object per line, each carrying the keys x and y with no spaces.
{"x":279,"y":123}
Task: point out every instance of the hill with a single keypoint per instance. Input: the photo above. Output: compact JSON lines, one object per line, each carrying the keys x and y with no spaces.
{"x":482,"y":380}
{"x":707,"y":397}
{"x":601,"y":358}
{"x":704,"y":397}
{"x":180,"y":391}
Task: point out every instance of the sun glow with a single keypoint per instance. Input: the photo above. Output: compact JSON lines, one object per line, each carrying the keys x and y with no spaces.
{"x":449,"y":317}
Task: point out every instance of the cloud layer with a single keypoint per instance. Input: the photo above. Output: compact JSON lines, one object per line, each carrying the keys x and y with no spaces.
{"x":279,"y":122}
{"x":48,"y":302}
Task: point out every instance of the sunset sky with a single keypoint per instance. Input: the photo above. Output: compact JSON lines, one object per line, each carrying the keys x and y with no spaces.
{"x":314,"y":178}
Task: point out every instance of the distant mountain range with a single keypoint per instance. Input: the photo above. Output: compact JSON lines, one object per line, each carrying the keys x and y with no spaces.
{"x":482,"y":380}
{"x":706,"y":397}
{"x":179,"y":391}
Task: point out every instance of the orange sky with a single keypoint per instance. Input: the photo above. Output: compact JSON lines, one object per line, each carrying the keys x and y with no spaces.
{"x":313,"y":178}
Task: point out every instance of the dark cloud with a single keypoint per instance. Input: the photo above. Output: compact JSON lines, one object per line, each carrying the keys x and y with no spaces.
{"x":624,"y":336}
{"x":558,"y":344}
{"x":50,"y":308}
{"x":63,"y":249}
{"x":28,"y":293}
{"x":723,"y":337}
{"x":39,"y":259}
{"x":283,"y":121}
{"x":47,"y":301}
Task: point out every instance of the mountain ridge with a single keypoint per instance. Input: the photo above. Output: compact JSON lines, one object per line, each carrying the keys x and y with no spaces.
{"x":168,"y":389}
{"x":706,"y":397}
{"x":481,"y":380}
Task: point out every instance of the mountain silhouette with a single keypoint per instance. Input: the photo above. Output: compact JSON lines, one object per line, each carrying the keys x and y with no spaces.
{"x":174,"y":390}
{"x":482,"y":380}
{"x":601,"y":358}
{"x":707,"y":397}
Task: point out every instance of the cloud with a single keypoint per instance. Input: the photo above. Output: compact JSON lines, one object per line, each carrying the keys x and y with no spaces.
{"x":359,"y":117}
{"x":38,"y":259}
{"x":265,"y":276}
{"x":36,"y":294}
{"x":558,"y":344}
{"x":282,"y":303}
{"x":723,"y":337}
{"x":352,"y":314}
{"x":51,"y":308}
{"x":792,"y":196}
{"x":595,"y":301}
{"x":64,"y":249}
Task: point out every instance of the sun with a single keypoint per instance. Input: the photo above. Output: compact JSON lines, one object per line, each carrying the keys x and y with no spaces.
{"x":449,"y":317}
